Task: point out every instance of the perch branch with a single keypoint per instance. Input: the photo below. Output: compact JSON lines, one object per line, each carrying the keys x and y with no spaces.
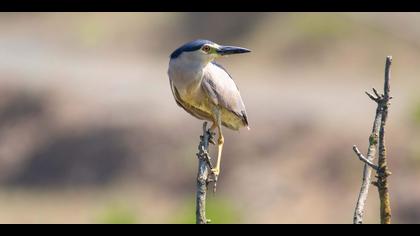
{"x":381,"y":169}
{"x":204,"y":166}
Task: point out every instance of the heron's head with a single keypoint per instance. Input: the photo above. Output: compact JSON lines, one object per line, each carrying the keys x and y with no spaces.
{"x":205,"y":51}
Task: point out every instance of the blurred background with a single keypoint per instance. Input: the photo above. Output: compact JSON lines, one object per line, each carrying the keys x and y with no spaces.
{"x":90,"y":132}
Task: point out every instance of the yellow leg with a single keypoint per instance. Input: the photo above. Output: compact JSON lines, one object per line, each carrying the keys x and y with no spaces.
{"x":213,"y":126}
{"x":213,"y":133}
{"x":218,"y":124}
{"x":216,"y":170}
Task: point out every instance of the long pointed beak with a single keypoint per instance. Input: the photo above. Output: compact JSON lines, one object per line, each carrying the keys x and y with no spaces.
{"x":228,"y":50}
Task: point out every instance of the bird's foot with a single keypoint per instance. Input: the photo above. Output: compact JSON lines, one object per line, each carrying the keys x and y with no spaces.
{"x":215,"y":172}
{"x":207,"y":158}
{"x":212,"y":136}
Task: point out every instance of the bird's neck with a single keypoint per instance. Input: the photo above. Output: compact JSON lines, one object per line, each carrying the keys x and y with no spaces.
{"x":191,"y":70}
{"x":186,"y":75}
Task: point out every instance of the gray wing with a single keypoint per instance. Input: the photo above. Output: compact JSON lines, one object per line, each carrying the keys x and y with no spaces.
{"x":223,"y":91}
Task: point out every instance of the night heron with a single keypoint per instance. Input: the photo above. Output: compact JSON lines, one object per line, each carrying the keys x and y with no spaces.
{"x":205,"y":90}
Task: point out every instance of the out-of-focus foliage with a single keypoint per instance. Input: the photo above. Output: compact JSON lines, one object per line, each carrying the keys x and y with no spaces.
{"x":416,"y":113}
{"x":218,"y":210}
{"x":117,"y":214}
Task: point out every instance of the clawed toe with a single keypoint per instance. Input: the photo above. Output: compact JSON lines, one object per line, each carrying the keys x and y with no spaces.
{"x":215,"y":173}
{"x":212,"y":136}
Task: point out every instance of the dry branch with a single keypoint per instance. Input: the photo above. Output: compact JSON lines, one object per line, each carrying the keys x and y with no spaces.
{"x":367,"y":172}
{"x":364,"y":159}
{"x":378,"y":132}
{"x":204,"y":167}
{"x":383,"y":171}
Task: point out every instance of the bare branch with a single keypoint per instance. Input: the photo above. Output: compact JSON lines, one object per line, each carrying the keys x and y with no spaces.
{"x":202,"y":176}
{"x":377,"y":132}
{"x":375,"y":99}
{"x":387,"y":87}
{"x":362,"y":158}
{"x":383,"y":171}
{"x":367,"y":172}
{"x":376,"y":93}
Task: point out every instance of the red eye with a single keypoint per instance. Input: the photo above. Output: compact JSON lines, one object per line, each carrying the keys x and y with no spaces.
{"x":206,"y":48}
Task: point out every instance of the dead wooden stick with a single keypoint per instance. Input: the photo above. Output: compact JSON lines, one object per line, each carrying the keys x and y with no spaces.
{"x":204,"y":166}
{"x":383,"y":171}
{"x":378,"y":131}
{"x":364,"y":159}
{"x":367,"y":171}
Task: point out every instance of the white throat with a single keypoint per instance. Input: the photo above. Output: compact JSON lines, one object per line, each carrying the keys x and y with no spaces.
{"x":187,"y":69}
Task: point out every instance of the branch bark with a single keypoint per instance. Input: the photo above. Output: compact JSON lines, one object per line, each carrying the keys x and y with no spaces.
{"x":378,"y":131}
{"x":363,"y":158}
{"x":383,"y":171}
{"x":204,"y":166}
{"x":367,"y":172}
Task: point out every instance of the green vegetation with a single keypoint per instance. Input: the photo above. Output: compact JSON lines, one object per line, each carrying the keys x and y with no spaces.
{"x":219,"y":211}
{"x":416,"y":113}
{"x":117,"y":214}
